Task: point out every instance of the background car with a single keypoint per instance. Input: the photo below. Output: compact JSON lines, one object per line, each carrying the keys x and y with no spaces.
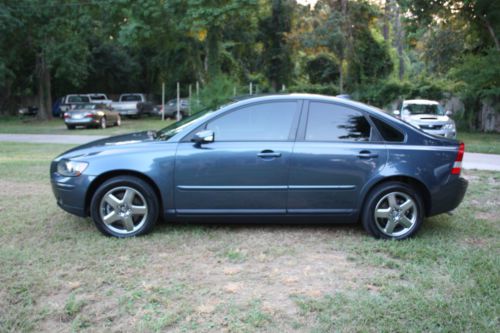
{"x":91,"y":115}
{"x":298,"y":156}
{"x":429,"y":116}
{"x":171,"y":109}
{"x":133,"y":105}
{"x":69,"y":102}
{"x":28,"y":111}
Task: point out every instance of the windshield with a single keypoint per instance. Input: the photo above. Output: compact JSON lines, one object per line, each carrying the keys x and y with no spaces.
{"x":131,"y":98}
{"x":435,"y":109}
{"x":173,"y":129}
{"x":78,"y":99}
{"x":85,"y":106}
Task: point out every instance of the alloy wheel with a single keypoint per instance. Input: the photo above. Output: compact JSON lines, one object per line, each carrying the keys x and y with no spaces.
{"x":123,"y":210}
{"x":396,"y":214}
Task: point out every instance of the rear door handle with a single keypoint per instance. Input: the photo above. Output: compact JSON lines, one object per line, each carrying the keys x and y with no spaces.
{"x":268,"y":154}
{"x":367,"y":154}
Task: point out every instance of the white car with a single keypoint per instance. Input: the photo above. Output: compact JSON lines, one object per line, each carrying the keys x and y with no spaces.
{"x":429,"y":116}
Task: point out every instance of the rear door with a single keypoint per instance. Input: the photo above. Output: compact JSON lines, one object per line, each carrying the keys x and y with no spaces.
{"x":333,"y":158}
{"x":245,"y":170}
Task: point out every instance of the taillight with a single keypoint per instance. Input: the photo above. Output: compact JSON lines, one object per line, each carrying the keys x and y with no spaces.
{"x":66,"y":115}
{"x":89,"y":115}
{"x":457,"y":165}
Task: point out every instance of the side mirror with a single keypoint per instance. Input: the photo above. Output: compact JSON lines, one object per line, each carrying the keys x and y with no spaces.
{"x":201,"y":137}
{"x":396,"y":112}
{"x":449,"y":113}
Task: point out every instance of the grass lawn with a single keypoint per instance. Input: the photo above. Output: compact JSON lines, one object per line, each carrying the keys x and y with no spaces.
{"x":56,"y":126}
{"x":488,"y":143}
{"x":58,"y":273}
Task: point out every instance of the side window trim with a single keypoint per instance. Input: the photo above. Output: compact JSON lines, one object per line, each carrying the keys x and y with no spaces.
{"x":293,"y":130}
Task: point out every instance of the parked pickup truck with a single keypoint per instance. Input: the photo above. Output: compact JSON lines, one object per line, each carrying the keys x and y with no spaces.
{"x":69,"y":102}
{"x":100,"y":98}
{"x":133,"y":105}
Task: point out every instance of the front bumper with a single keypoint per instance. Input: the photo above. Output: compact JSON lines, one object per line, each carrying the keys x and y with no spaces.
{"x":449,"y":196}
{"x":70,"y":192}
{"x":446,"y":133}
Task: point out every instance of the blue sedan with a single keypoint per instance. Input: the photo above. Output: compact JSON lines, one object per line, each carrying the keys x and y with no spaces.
{"x":297,"y":157}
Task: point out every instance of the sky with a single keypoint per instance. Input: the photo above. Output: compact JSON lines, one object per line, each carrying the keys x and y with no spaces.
{"x":307,"y":2}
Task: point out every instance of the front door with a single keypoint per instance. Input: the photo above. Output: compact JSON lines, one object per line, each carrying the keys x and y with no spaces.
{"x":245,"y":169}
{"x":333,"y":159}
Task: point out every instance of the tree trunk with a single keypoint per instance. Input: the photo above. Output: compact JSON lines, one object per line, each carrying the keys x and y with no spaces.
{"x":213,"y":51}
{"x":385,"y":28}
{"x":44,"y":88}
{"x":399,"y":43}
{"x":492,"y":33}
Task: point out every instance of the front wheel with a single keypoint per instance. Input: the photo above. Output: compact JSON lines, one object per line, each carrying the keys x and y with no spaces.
{"x":393,"y":210}
{"x":118,"y":121}
{"x":124,"y":206}
{"x":103,"y":123}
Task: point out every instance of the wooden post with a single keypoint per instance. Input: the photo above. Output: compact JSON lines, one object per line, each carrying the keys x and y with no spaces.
{"x":234,"y":91}
{"x":197,"y":93}
{"x":163,"y":101}
{"x":178,"y":117}
{"x":190,"y":96}
{"x":283,"y":87}
{"x":250,"y":89}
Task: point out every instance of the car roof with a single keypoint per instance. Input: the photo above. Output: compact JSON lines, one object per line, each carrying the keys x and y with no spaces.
{"x":324,"y":98}
{"x":419,"y":101}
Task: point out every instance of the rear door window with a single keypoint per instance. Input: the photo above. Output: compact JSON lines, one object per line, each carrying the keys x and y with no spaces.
{"x":332,"y":122}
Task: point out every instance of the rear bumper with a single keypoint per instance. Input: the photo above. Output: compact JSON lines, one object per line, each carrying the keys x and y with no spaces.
{"x":449,"y":196}
{"x":81,"y":122}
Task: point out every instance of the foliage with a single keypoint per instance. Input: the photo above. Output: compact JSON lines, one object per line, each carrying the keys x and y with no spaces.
{"x":376,"y":51}
{"x":217,"y":92}
{"x":322,"y":69}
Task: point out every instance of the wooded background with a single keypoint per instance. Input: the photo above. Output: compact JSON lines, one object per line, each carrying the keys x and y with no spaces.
{"x":377,"y":51}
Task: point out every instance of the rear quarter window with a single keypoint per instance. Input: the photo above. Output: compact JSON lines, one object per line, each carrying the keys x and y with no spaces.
{"x":388,"y":132}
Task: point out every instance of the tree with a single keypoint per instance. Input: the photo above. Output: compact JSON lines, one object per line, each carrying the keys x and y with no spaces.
{"x":277,"y":52}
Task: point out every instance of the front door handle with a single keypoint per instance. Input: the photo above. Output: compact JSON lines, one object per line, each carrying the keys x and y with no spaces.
{"x":367,"y":154}
{"x":268,"y":154}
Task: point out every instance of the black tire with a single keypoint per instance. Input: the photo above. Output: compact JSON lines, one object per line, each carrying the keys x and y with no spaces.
{"x":70,"y":127}
{"x":380,"y":197}
{"x":142,"y":225}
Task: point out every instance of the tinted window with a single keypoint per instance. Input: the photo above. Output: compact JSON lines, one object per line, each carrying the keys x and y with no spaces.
{"x":388,"y":132}
{"x":258,"y":122}
{"x":131,"y":98}
{"x":78,"y":99}
{"x":330,"y":122}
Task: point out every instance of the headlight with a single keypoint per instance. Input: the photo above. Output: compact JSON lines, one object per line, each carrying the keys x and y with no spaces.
{"x":69,"y":168}
{"x":449,"y":126}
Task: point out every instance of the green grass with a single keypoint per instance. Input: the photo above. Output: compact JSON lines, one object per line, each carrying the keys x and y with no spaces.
{"x":58,"y":273}
{"x":488,"y":143}
{"x":16,"y":125}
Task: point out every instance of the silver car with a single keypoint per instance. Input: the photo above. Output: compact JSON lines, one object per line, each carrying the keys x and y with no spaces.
{"x":91,"y":115}
{"x":429,"y":116}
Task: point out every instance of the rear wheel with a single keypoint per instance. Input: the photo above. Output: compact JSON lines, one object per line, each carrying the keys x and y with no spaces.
{"x":124,"y":207}
{"x":103,"y":123}
{"x":393,"y":210}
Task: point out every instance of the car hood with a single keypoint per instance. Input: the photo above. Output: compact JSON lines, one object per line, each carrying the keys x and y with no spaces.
{"x":113,"y":143}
